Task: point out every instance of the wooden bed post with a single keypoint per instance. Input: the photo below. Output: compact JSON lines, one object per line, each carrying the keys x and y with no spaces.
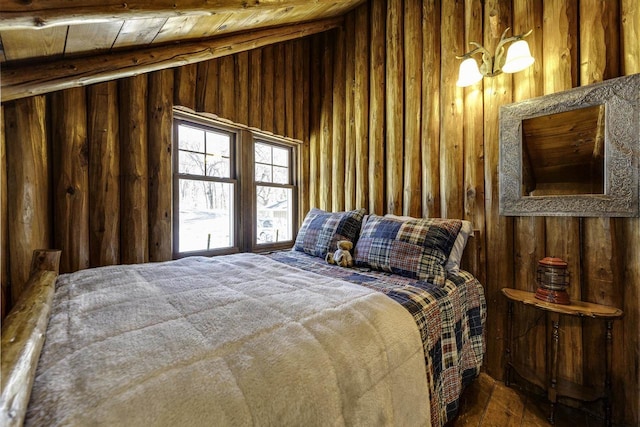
{"x":23,"y":333}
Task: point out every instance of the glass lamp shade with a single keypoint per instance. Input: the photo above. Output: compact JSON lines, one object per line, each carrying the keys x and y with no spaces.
{"x":518,"y":57}
{"x":469,"y":73}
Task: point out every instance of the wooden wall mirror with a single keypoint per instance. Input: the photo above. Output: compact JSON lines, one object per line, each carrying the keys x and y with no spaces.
{"x":573,"y":153}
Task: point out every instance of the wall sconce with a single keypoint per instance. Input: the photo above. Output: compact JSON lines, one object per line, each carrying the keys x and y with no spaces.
{"x":518,"y":58}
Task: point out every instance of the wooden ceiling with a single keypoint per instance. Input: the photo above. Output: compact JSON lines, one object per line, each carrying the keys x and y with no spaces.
{"x":52,"y":36}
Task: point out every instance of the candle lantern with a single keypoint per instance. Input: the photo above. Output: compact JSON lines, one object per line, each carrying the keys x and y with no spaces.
{"x":552,"y":278}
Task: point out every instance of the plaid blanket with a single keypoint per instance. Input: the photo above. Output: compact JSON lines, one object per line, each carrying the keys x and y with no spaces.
{"x":451,"y":320}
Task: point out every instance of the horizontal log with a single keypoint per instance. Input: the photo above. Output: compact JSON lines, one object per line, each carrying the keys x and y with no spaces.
{"x":23,"y":333}
{"x":49,"y":13}
{"x":22,"y":81}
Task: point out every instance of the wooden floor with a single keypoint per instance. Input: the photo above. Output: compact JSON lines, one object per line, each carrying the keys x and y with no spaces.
{"x":487,"y":402}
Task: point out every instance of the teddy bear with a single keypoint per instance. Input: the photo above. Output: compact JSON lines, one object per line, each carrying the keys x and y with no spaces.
{"x":341,"y":256}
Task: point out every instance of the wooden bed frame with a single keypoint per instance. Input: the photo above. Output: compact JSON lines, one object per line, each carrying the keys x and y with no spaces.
{"x":23,"y":333}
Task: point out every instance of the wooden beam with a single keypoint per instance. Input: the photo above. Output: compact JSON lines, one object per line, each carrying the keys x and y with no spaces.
{"x":47,"y":13}
{"x":21,"y":81}
{"x":23,"y":333}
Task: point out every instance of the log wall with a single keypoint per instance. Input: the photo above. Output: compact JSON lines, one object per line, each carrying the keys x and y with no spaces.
{"x":384,"y":126}
{"x":440,"y":146}
{"x":103,"y":152}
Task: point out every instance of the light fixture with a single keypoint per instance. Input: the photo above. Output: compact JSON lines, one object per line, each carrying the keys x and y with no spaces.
{"x":517,"y":59}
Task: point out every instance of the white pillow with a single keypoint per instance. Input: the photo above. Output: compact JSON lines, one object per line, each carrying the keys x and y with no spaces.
{"x":453,"y":262}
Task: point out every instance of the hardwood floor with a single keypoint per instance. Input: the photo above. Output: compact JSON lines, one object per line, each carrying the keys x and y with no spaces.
{"x":488,"y":402}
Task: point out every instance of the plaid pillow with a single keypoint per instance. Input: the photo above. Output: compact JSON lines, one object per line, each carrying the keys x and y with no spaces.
{"x":321,"y":231}
{"x":415,"y":248}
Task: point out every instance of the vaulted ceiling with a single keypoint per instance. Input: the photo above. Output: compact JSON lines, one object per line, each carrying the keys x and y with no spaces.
{"x":46,"y":40}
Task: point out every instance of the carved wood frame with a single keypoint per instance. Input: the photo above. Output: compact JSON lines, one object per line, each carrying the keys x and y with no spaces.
{"x":621,"y":196}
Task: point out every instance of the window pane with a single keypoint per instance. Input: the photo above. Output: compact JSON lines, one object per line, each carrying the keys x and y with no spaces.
{"x":275,"y":214}
{"x":218,"y":152}
{"x":280,"y":156}
{"x":263,"y":173}
{"x":280,"y":175}
{"x":190,"y":138}
{"x":191,"y":163}
{"x":262,"y":153}
{"x":218,"y":166}
{"x":206,"y":215}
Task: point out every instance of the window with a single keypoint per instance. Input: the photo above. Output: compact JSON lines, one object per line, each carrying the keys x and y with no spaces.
{"x":274,"y":192}
{"x":234,"y":189}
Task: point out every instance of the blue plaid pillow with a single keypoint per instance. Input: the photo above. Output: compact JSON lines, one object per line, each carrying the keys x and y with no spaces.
{"x":415,"y":248}
{"x":321,"y":231}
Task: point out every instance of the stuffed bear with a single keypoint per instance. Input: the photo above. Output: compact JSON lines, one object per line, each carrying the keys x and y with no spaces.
{"x":341,"y":256}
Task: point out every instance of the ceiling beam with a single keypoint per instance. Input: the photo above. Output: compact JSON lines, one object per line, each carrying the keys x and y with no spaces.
{"x":48,"y":13}
{"x":25,"y":80}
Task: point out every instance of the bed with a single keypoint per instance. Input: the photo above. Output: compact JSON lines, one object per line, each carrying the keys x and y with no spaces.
{"x":276,"y":339}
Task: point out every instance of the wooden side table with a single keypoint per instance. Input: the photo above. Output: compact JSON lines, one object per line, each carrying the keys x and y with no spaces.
{"x":558,"y":387}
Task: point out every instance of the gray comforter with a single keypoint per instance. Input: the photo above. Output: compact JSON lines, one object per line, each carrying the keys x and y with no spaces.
{"x":233,"y":340}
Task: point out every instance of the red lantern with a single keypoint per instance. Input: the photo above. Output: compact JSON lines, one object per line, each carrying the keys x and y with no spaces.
{"x":553,"y":280}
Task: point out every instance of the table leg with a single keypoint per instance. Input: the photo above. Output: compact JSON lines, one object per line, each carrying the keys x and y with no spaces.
{"x":553,"y":392}
{"x":509,"y":343}
{"x":607,"y":378}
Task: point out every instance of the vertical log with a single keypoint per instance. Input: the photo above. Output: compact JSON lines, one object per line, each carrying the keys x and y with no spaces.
{"x":5,"y":290}
{"x":361,"y":106}
{"x":499,"y":229}
{"x":70,"y":178}
{"x":242,"y":87}
{"x":599,"y":41}
{"x":279,"y":89}
{"x":326,"y":119}
{"x":376,"y":109}
{"x":268,"y":72}
{"x":104,"y":168}
{"x":226,"y":88}
{"x":529,"y":244}
{"x":201,"y":84}
{"x":160,"y":122}
{"x":27,"y":186}
{"x":473,"y":148}
{"x":185,"y":87}
{"x":451,"y":112}
{"x":394,"y":106}
{"x":255,"y":88}
{"x":134,"y":223}
{"x":601,"y":269}
{"x":412,"y":193}
{"x":288,"y":79}
{"x":301,"y":86}
{"x":306,"y":87}
{"x":210,"y":87}
{"x":430,"y":149}
{"x":563,"y":234}
{"x":349,"y":131}
{"x":629,"y":239}
{"x":314,"y":121}
{"x":337,"y":141}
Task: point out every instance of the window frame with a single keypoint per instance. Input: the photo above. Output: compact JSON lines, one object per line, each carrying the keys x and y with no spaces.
{"x":293,"y":184}
{"x":177,"y":176}
{"x":242,"y":175}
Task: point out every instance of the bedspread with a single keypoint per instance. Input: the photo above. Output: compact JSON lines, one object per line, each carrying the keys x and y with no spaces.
{"x":451,"y":319}
{"x":233,"y":340}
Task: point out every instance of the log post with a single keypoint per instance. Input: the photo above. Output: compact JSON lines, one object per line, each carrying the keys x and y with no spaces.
{"x":394,"y":103}
{"x":23,"y":334}
{"x":376,"y":108}
{"x":361,"y":105}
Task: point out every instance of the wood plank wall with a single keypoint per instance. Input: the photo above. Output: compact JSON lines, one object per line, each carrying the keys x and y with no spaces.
{"x":88,"y":170}
{"x":430,"y":148}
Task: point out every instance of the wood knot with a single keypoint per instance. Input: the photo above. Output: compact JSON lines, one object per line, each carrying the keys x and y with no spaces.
{"x":71,"y":190}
